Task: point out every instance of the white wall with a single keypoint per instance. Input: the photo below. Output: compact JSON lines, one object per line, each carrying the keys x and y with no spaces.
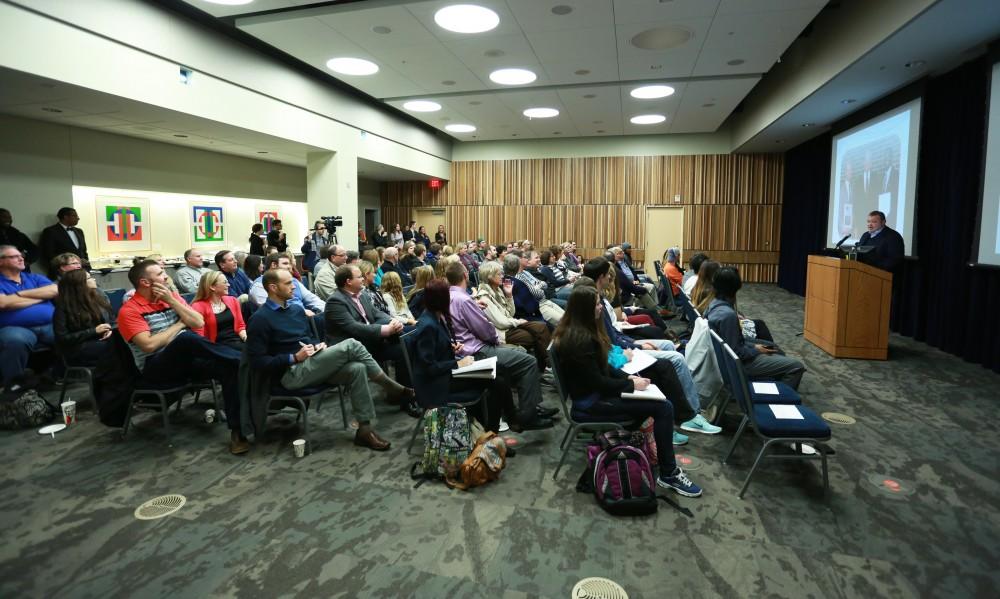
{"x":583,"y":147}
{"x":369,"y":197}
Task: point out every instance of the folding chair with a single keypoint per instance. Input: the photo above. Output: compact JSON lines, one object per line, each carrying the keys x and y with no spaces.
{"x":280,"y":398}
{"x":772,"y":430}
{"x":143,"y":389}
{"x":405,"y":340}
{"x":576,"y":427}
{"x":786,"y":395}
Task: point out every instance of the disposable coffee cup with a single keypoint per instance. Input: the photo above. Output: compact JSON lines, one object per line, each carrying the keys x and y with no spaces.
{"x":209,"y":416}
{"x":69,"y":412}
{"x":299,"y":445}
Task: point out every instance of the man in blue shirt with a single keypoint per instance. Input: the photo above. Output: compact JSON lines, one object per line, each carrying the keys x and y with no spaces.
{"x":25,"y":313}
{"x":239,"y":282}
{"x":307,"y":299}
{"x":280,"y":342}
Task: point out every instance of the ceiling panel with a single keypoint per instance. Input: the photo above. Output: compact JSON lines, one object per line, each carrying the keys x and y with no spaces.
{"x":534,"y":16}
{"x":636,"y":63}
{"x":646,"y":11}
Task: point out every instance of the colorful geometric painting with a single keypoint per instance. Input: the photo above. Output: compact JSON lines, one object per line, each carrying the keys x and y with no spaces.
{"x":207,"y":224}
{"x":267,"y":218}
{"x":123,"y":224}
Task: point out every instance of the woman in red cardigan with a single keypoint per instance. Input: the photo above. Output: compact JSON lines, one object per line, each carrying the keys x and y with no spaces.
{"x":223,"y":316}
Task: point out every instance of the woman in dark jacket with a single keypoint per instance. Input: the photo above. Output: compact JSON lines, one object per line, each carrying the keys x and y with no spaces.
{"x":380,"y":238}
{"x":432,"y":348}
{"x":257,"y":240}
{"x":82,"y":321}
{"x":595,"y":389}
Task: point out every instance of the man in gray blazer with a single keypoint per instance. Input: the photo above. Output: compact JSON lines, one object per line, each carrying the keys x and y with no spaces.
{"x":350,"y":314}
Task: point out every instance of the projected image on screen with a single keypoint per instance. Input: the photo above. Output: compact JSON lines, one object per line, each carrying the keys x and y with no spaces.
{"x":989,"y":213}
{"x":874,"y":168}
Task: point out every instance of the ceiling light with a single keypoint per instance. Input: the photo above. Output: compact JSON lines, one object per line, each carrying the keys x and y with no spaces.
{"x":848,"y":101}
{"x":651,"y":92}
{"x":466,"y":18}
{"x":448,"y":82}
{"x":494,"y":53}
{"x":808,"y":124}
{"x":581,"y":72}
{"x":561,"y":10}
{"x":735,"y":62}
{"x":540,"y":113}
{"x":647,"y":119}
{"x":230,"y":2}
{"x":460,"y":128}
{"x":352,"y":66}
{"x":382,"y":29}
{"x":512,"y":76}
{"x":662,"y":38}
{"x":422,"y":106}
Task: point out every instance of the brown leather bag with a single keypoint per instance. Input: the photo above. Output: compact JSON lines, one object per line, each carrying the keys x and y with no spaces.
{"x":483,"y":465}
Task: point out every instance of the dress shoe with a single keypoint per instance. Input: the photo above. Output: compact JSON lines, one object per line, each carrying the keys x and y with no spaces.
{"x":370,"y":439}
{"x":237,"y":444}
{"x":412,"y":408}
{"x":544,"y":412}
{"x":535,"y":425}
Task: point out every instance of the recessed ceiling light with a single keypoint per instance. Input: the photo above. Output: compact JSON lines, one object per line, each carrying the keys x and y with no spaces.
{"x":230,"y":2}
{"x":561,"y":10}
{"x":662,"y":38}
{"x":512,"y":76}
{"x":494,"y":53}
{"x":382,"y":29}
{"x":448,"y":82}
{"x":50,"y":109}
{"x":651,"y":92}
{"x":735,"y":62}
{"x":647,"y":119}
{"x":808,"y":124}
{"x":582,"y":72}
{"x":466,"y":18}
{"x":460,"y":128}
{"x":422,"y":106}
{"x":352,"y":66}
{"x":540,"y":113}
{"x":848,"y":101}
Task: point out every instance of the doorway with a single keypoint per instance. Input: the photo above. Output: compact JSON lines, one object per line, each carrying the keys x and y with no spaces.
{"x":371,"y":221}
{"x":664,"y":229}
{"x":430,"y":218}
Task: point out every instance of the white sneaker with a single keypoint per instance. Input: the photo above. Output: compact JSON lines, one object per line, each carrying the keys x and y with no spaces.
{"x":698,"y":424}
{"x":504,"y":427}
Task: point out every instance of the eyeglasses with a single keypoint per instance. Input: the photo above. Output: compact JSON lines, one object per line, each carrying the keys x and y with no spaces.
{"x":12,"y":256}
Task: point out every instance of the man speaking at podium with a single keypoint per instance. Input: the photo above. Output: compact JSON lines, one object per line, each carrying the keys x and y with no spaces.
{"x":888,"y":244}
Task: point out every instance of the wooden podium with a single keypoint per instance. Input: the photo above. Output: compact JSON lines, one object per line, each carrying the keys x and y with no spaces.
{"x":847,"y":308}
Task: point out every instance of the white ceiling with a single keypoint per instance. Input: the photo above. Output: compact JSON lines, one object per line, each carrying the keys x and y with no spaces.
{"x":585,"y":62}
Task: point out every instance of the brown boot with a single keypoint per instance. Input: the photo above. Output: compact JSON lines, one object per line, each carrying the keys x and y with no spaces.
{"x":396,"y":392}
{"x":237,"y":444}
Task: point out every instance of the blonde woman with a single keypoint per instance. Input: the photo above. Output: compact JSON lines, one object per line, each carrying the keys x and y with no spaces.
{"x":392,"y":293}
{"x":371,"y":288}
{"x":222,"y":314}
{"x":415,"y":298}
{"x":496,"y":295}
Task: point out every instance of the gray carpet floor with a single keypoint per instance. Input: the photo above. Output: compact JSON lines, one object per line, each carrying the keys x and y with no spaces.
{"x":346,"y":522}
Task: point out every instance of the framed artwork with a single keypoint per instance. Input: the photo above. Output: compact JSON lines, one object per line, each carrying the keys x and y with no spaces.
{"x":266,"y":215}
{"x":208,"y":224}
{"x":122,"y":224}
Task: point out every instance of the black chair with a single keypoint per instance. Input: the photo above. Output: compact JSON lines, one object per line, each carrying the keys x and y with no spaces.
{"x":577,"y":427}
{"x":809,"y":429}
{"x":115,"y":297}
{"x":161,"y":393}
{"x":687,"y":309}
{"x":404,"y":341}
{"x":84,"y":373}
{"x":280,"y":398}
{"x":187,"y":297}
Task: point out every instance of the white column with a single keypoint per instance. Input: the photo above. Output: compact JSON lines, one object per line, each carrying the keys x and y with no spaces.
{"x":332,"y":190}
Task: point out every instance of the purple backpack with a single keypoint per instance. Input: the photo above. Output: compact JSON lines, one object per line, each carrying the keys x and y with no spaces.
{"x":623,"y":480}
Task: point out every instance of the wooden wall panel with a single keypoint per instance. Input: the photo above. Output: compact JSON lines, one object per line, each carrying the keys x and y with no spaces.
{"x":732,"y":203}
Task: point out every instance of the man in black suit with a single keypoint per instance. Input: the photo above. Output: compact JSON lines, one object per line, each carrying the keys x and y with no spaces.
{"x":351,"y":314}
{"x":888,"y":244}
{"x":11,"y":236}
{"x":64,"y":237}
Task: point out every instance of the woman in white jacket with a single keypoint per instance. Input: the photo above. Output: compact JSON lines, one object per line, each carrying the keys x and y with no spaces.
{"x":495,"y":294}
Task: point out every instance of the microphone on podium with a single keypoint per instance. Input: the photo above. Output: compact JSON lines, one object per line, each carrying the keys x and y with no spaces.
{"x":841,"y":242}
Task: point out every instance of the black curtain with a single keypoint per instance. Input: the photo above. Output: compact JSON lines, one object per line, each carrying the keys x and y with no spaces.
{"x":938,"y":297}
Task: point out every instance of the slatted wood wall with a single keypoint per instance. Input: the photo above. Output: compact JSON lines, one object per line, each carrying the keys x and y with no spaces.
{"x":732,"y":203}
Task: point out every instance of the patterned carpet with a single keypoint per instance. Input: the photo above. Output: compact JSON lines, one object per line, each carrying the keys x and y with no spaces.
{"x":345,"y":522}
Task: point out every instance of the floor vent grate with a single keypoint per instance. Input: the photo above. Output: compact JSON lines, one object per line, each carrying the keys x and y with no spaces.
{"x":598,"y":588}
{"x":158,"y":507}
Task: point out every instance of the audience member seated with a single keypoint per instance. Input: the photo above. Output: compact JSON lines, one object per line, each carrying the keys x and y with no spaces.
{"x":380,"y":238}
{"x":239,"y":282}
{"x":220,"y":311}
{"x":761,"y":360}
{"x":350,"y":314}
{"x":703,"y":292}
{"x":390,"y":258}
{"x":569,"y":260}
{"x":655,"y":327}
{"x":371,"y":290}
{"x":630,"y":286}
{"x":529,"y":292}
{"x":188,"y":276}
{"x":253,"y":267}
{"x":478,"y":337}
{"x":391,"y":293}
{"x":280,"y":342}
{"x":302,"y":296}
{"x":558,"y":278}
{"x":466,"y":259}
{"x":153,"y":324}
{"x":25,"y":313}
{"x":415,"y":259}
{"x":415,"y":297}
{"x":434,"y":355}
{"x":325,"y":282}
{"x":673,"y":270}
{"x":545,"y":276}
{"x":595,"y":389}
{"x":83,"y":321}
{"x":63,"y":263}
{"x":499,"y":309}
{"x":691,"y":274}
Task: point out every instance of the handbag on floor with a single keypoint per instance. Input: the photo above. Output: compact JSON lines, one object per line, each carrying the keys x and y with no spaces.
{"x":26,"y":411}
{"x":483,"y":465}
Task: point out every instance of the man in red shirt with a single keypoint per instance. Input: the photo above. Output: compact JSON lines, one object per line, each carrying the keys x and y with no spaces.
{"x":154,"y":323}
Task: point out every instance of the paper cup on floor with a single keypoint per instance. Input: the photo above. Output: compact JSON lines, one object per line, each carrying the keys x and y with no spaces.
{"x":299,"y":445}
{"x":69,"y":412}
